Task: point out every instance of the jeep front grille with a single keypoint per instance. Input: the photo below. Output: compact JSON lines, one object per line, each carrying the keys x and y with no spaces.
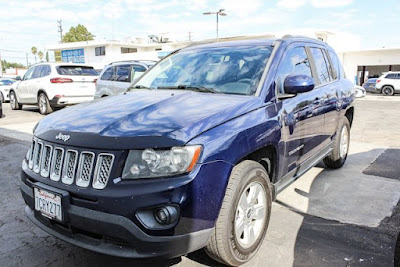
{"x":69,"y":165}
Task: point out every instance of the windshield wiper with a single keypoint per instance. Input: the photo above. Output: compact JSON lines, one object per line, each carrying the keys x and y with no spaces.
{"x":189,"y":87}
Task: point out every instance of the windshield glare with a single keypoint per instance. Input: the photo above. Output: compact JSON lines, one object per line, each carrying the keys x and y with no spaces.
{"x":231,"y":70}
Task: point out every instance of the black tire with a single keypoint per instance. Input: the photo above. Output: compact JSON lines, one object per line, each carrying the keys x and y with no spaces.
{"x":223,"y":245}
{"x":387,"y":90}
{"x":397,"y":252}
{"x":2,"y":98}
{"x":44,"y":104}
{"x":14,"y":102}
{"x":335,"y":160}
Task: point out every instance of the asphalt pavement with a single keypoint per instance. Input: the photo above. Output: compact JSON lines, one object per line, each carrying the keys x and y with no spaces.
{"x":345,"y":217}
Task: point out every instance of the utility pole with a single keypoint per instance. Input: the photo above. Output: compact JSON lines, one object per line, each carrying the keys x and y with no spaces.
{"x":60,"y":30}
{"x":190,"y":36}
{"x":1,"y":66}
{"x":27,"y":64}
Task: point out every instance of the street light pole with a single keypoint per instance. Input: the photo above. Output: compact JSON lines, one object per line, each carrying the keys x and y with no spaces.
{"x":218,"y":13}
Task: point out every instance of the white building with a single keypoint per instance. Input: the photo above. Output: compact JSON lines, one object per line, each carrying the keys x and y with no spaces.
{"x":100,"y":53}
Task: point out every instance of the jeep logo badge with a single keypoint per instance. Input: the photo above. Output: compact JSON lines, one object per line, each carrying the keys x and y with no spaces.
{"x":63,"y":137}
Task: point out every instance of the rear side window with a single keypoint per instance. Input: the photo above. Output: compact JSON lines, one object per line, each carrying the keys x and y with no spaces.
{"x":76,"y":70}
{"x":122,"y":73}
{"x":320,"y":64}
{"x":334,"y":65}
{"x":108,"y":74}
{"x":36,"y":73}
{"x":137,"y":71}
{"x":295,"y":62}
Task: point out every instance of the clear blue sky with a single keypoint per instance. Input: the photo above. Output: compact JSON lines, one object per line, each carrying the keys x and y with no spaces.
{"x":363,"y":23}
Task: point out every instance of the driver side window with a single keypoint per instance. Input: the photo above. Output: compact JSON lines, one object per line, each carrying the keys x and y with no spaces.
{"x":295,"y":62}
{"x":29,"y":73}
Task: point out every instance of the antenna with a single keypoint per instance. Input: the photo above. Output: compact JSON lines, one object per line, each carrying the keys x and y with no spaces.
{"x":60,"y":30}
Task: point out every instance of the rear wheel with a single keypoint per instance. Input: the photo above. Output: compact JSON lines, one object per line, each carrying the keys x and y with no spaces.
{"x":14,"y":102}
{"x":340,"y":147}
{"x":244,"y":216}
{"x":388,"y":90}
{"x":1,"y":97}
{"x":44,"y":105}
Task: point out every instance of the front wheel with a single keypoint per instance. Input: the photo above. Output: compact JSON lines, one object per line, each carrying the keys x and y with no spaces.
{"x":340,"y":147}
{"x":388,"y":91}
{"x":244,"y":216}
{"x":44,"y":105}
{"x":14,"y":102}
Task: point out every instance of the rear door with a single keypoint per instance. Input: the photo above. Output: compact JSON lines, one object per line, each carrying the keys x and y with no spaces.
{"x":82,"y":80}
{"x":121,"y":80}
{"x":105,"y":82}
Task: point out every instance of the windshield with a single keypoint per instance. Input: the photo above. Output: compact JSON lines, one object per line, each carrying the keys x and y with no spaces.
{"x":230,"y":70}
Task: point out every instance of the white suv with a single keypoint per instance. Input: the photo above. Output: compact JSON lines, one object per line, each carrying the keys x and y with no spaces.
{"x":389,"y":83}
{"x":54,"y":85}
{"x":118,"y":76}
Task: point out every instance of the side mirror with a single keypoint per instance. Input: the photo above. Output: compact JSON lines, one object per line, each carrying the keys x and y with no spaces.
{"x":298,"y":83}
{"x":18,"y":78}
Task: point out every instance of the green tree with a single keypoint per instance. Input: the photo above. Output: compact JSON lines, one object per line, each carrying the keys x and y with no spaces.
{"x":34,"y":51}
{"x":40,"y":54}
{"x":77,"y":34}
{"x":7,"y":65}
{"x":47,"y":56}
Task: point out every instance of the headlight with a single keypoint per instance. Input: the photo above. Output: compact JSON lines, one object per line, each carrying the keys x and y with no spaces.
{"x":151,"y":163}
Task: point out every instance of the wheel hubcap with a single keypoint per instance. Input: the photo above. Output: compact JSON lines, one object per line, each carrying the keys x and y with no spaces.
{"x":12,"y":100}
{"x":250,"y":215}
{"x":344,"y":142}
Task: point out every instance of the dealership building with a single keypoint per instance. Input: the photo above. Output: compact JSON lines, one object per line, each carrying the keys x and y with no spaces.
{"x":359,"y":65}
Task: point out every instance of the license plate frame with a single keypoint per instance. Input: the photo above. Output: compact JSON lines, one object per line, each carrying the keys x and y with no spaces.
{"x":54,"y":196}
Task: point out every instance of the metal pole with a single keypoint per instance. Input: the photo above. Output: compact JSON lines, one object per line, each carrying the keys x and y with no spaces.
{"x":27,"y":60}
{"x":1,"y":66}
{"x":217,"y":27}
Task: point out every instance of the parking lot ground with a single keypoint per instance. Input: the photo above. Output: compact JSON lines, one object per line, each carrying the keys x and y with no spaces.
{"x":343,"y":217}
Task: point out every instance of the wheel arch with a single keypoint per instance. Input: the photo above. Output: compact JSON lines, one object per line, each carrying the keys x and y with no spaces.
{"x":350,"y":115}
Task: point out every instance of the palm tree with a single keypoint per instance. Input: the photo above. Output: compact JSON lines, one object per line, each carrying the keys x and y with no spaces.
{"x":34,"y":51}
{"x":40,"y":54}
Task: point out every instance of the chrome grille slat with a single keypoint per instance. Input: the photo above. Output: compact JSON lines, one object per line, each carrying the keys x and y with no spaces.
{"x":84,"y":169}
{"x":71,"y":157}
{"x":37,"y":157}
{"x":56,"y":164}
{"x":70,"y":166}
{"x":103,"y":170}
{"x":46,"y":160}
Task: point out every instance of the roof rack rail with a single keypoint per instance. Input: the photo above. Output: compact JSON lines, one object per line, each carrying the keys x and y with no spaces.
{"x":297,"y":36}
{"x":133,"y":60}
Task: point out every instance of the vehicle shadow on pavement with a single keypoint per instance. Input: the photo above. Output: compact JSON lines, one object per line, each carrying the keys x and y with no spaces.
{"x":352,"y":219}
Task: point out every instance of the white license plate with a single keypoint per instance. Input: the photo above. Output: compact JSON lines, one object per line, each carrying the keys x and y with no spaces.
{"x":48,"y":204}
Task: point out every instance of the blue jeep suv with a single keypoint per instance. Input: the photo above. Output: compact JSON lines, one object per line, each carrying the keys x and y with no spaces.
{"x":194,"y":153}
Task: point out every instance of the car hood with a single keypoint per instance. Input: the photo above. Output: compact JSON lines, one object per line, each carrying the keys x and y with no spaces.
{"x":162,"y":114}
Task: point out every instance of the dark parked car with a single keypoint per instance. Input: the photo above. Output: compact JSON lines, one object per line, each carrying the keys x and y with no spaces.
{"x":194,"y":153}
{"x":370,"y":84}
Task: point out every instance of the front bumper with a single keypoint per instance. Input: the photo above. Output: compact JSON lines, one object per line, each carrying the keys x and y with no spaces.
{"x":107,"y":225}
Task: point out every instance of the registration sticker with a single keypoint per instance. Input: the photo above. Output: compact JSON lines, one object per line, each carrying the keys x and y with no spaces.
{"x":48,"y":204}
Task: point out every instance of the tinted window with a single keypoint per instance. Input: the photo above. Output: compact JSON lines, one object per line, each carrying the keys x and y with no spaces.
{"x":137,"y":71}
{"x":125,"y":50}
{"x":295,"y":62}
{"x":122,"y":73}
{"x":36,"y":73}
{"x":76,"y":70}
{"x":107,"y":75}
{"x":320,"y":64}
{"x":29,"y":73}
{"x":46,"y":70}
{"x":335,"y":64}
{"x":100,"y":51}
{"x":391,"y":76}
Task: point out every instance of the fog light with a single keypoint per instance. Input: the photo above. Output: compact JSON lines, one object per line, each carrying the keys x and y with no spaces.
{"x":165,"y":215}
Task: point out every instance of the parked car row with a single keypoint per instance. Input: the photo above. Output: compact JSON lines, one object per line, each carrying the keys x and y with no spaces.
{"x":56,"y":85}
{"x":5,"y":85}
